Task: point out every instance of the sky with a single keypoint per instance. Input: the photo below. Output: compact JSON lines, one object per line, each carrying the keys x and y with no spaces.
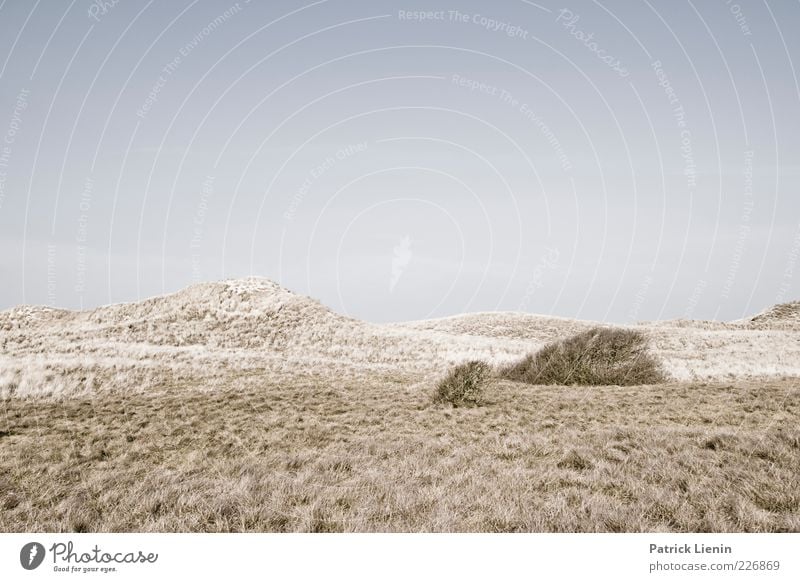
{"x":612,"y":161}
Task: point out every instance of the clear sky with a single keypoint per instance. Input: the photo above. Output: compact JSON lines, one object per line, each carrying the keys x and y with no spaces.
{"x":612,"y":160}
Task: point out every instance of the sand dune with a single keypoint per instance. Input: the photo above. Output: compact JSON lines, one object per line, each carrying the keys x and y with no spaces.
{"x":782,"y":316}
{"x":240,"y":406}
{"x":210,"y":332}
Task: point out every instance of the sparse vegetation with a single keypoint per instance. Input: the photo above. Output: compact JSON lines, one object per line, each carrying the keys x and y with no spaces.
{"x":242,"y":407}
{"x":206,"y":332}
{"x":464,"y":385}
{"x":783,"y":315}
{"x":351,"y":455}
{"x":599,"y":357}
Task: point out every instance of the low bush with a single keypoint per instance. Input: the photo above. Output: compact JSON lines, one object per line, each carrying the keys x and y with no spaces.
{"x":464,"y":385}
{"x":599,"y":357}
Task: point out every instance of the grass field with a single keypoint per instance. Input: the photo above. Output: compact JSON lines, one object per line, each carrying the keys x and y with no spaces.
{"x":313,"y":455}
{"x":241,"y":406}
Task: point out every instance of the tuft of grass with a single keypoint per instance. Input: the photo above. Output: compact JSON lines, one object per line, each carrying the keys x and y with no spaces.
{"x":574,"y":460}
{"x":464,"y":385}
{"x":597,"y":357}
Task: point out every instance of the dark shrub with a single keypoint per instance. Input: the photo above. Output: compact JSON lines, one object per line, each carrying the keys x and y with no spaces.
{"x":600,"y":356}
{"x":463,"y":385}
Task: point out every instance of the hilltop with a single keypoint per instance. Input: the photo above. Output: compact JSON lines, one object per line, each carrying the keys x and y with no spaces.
{"x":781,"y":316}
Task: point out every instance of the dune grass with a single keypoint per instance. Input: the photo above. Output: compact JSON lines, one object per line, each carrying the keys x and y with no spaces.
{"x":598,"y":356}
{"x":464,"y":385}
{"x":374,"y":455}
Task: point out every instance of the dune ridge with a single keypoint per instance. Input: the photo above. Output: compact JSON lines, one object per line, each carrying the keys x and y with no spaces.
{"x":207,"y":333}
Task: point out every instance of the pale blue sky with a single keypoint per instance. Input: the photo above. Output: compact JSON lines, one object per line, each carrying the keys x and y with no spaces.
{"x":605,"y":160}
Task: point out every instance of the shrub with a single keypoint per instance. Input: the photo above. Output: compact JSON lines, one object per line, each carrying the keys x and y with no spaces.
{"x":463,"y":385}
{"x":599,"y":356}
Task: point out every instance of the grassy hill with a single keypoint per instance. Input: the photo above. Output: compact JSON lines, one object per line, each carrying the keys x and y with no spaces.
{"x":208,"y":332}
{"x":240,"y":406}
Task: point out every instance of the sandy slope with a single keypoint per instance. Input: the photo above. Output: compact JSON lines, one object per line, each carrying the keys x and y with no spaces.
{"x":210,"y":332}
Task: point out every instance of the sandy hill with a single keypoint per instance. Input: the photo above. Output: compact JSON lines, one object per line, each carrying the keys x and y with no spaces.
{"x":211,"y":332}
{"x":781,"y":316}
{"x":504,"y":325}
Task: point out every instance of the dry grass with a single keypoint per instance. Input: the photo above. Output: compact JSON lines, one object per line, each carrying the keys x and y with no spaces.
{"x":599,"y":356}
{"x":211,"y":329}
{"x":464,"y":385}
{"x":374,"y":455}
{"x":781,"y":316}
{"x":239,"y":406}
